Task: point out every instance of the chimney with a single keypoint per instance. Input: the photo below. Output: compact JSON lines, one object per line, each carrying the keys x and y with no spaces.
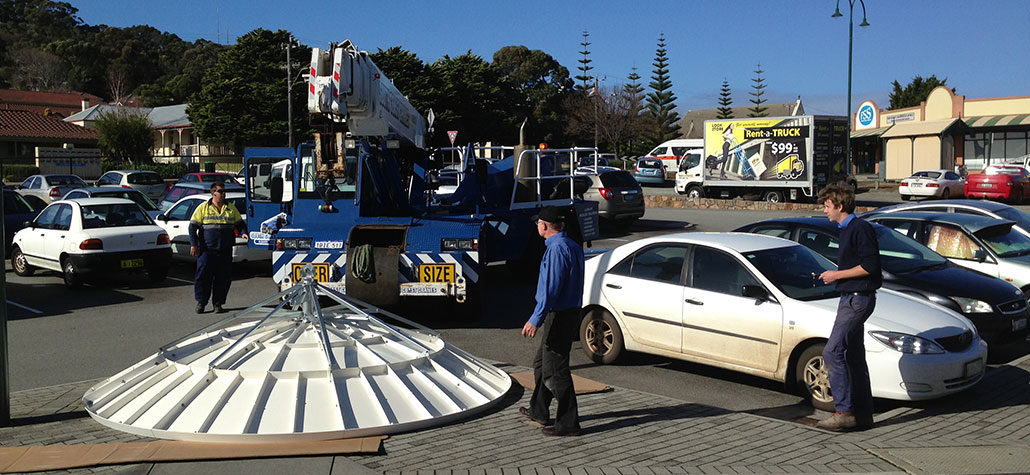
{"x":85,"y":104}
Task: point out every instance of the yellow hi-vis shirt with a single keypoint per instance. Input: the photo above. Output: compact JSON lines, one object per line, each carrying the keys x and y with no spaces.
{"x":213,"y":229}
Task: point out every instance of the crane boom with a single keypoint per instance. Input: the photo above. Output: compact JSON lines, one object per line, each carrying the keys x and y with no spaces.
{"x":346,"y":86}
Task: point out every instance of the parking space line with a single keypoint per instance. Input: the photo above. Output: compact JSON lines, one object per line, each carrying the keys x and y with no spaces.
{"x":180,"y":280}
{"x":37,"y":312}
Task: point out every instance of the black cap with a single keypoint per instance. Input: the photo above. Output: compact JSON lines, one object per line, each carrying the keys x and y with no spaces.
{"x":551,"y":214}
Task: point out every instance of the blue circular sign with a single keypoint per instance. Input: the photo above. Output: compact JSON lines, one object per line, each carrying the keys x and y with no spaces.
{"x":865,"y":115}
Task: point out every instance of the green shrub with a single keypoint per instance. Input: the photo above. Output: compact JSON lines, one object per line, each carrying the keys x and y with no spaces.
{"x":19,"y":172}
{"x":166,"y":170}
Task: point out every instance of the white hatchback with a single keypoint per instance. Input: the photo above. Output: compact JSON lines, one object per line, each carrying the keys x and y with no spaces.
{"x":752,"y":303}
{"x":176,"y":222}
{"x":91,"y":236}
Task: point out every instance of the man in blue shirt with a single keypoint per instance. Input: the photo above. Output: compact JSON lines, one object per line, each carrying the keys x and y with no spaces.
{"x":559,"y":297}
{"x":857,"y":279}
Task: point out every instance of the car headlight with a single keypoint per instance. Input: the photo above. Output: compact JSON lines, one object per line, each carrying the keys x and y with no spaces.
{"x":910,"y":344}
{"x":968,"y":305}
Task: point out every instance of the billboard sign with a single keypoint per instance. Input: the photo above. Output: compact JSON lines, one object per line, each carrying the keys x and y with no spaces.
{"x":758,"y":149}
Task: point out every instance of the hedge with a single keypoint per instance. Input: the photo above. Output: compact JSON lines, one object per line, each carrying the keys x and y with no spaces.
{"x":166,"y":170}
{"x":19,"y":172}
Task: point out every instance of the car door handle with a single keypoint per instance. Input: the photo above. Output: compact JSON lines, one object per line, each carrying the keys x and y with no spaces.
{"x":694,"y":302}
{"x":614,"y":286}
{"x":176,"y":226}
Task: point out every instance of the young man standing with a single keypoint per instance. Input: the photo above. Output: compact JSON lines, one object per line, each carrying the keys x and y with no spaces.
{"x":857,"y":279}
{"x":212,"y":235}
{"x":559,"y":297}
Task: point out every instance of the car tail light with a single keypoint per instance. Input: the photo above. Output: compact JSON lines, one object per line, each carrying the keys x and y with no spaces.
{"x":637,"y":169}
{"x":55,"y":193}
{"x":904,"y":183}
{"x":91,"y":245}
{"x":236,"y":232}
{"x":606,"y":193}
{"x":127,"y":186}
{"x":163,"y":239}
{"x":168,"y":187}
{"x":933,"y":185}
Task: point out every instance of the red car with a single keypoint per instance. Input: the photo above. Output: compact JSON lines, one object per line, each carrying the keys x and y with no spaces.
{"x":1004,"y":182}
{"x":208,"y":177}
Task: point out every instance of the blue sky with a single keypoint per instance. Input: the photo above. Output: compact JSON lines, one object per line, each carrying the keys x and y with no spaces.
{"x":980,"y":47}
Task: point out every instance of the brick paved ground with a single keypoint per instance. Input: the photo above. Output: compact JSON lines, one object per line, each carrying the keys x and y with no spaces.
{"x":625,"y":432}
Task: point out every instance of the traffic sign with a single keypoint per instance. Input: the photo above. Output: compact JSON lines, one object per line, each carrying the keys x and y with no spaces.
{"x":452,"y":134}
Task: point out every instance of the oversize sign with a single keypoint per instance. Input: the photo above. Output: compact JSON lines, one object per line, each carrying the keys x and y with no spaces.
{"x":758,"y":149}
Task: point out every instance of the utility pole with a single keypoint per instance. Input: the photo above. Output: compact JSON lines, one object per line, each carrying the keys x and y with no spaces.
{"x":289,"y":87}
{"x":5,"y":373}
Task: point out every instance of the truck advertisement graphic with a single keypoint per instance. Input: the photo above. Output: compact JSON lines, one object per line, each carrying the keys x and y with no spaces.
{"x":760,"y":150}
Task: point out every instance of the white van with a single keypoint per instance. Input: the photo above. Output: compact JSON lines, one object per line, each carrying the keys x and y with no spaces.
{"x":671,"y":151}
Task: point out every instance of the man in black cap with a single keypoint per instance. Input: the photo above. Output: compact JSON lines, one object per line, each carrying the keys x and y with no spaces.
{"x":559,"y":297}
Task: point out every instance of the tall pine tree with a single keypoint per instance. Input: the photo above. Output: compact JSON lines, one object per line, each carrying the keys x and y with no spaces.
{"x":725,"y":110}
{"x":634,"y":92}
{"x":661,"y":101}
{"x":584,"y":78}
{"x":758,"y":84}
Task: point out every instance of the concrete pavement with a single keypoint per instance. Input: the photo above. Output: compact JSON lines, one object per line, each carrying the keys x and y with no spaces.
{"x":983,"y":430}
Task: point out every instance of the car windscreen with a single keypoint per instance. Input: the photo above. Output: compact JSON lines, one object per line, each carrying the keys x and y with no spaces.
{"x":1004,"y":241}
{"x":136,"y":196}
{"x":113,"y":215}
{"x":900,"y":254}
{"x":145,"y":179}
{"x":62,"y":180}
{"x":1022,"y":218}
{"x":15,"y":204}
{"x":795,"y":270}
{"x":618,"y":179}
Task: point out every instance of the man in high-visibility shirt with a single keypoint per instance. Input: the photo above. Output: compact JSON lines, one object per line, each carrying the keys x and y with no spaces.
{"x":213,"y":230}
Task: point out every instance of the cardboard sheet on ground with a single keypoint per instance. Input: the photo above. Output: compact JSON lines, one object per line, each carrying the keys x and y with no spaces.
{"x":60,"y":457}
{"x":582,"y":385}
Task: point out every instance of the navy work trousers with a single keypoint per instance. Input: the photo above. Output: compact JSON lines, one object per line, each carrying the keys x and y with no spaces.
{"x":551,"y":371}
{"x":845,"y":355}
{"x":214,"y":275}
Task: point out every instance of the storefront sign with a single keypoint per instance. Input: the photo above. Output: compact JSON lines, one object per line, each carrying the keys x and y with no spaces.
{"x":901,"y":117}
{"x":866,"y":117}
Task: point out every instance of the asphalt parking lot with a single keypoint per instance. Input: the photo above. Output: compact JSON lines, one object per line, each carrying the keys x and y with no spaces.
{"x":59,"y":336}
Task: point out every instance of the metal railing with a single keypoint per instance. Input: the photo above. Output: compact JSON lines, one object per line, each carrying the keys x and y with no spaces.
{"x":535,"y":182}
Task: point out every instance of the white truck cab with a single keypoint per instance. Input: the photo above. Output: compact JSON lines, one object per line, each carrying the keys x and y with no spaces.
{"x":689,"y":173}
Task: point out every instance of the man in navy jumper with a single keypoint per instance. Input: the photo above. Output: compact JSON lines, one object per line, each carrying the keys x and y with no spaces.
{"x":559,"y":296}
{"x":857,"y":279}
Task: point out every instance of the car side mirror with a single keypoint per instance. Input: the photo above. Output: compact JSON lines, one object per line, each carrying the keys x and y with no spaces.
{"x":161,"y":217}
{"x":756,"y":292}
{"x":980,"y":255}
{"x":276,"y":187}
{"x":28,"y":224}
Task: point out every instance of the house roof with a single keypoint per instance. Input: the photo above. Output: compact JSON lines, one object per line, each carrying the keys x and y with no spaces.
{"x":61,"y":103}
{"x":164,"y":117}
{"x":692,"y":125}
{"x":26,"y":124}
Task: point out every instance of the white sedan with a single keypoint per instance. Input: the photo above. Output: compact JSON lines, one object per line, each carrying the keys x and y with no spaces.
{"x":91,"y":236}
{"x":751,"y":303}
{"x":941,"y":184}
{"x":176,"y":222}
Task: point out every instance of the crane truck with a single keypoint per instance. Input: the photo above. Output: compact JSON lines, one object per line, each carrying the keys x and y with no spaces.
{"x":357,"y":201}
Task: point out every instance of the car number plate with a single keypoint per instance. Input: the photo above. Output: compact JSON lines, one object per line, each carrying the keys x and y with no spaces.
{"x":132,"y":263}
{"x":987,"y":185}
{"x":437,"y":273}
{"x":323,"y":271}
{"x":915,"y":185}
{"x":1018,"y":324}
{"x":974,"y":367}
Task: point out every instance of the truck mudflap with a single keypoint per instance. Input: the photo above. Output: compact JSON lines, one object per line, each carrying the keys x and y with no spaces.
{"x":421,"y":274}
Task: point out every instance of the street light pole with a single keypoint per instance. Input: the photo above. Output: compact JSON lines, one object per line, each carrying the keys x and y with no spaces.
{"x":851,"y":36}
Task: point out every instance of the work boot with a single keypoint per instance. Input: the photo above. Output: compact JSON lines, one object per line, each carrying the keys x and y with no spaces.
{"x":218,"y":308}
{"x":200,"y":307}
{"x":552,"y":432}
{"x":838,"y":422}
{"x":524,"y":412}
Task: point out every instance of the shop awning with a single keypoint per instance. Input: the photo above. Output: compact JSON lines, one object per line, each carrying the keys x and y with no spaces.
{"x":870,"y":132}
{"x":998,"y":120}
{"x":929,"y":127}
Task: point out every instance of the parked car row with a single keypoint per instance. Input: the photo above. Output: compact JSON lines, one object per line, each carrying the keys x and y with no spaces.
{"x":997,"y":182}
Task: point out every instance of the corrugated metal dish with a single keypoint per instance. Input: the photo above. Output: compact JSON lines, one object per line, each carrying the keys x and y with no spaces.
{"x":265,"y":375}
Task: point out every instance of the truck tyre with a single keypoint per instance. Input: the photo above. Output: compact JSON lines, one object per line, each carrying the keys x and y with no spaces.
{"x":812,"y":378}
{"x":695,"y":192}
{"x":774,"y":196}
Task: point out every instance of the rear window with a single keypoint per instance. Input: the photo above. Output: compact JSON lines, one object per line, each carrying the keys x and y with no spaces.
{"x":650,"y":164}
{"x":145,"y":179}
{"x":619,"y":179}
{"x":136,"y":196}
{"x":214,"y":178}
{"x":61,"y":180}
{"x":113,"y":215}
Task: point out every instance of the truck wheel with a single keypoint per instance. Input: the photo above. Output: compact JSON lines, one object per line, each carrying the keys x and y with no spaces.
{"x":812,"y":378}
{"x":774,"y":196}
{"x":695,"y":192}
